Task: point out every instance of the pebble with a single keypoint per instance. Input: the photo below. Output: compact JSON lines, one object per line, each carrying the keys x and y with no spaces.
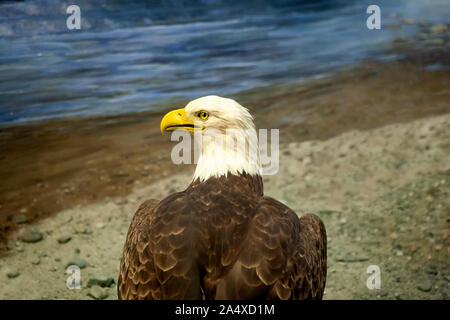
{"x":31,"y":236}
{"x":64,"y":239}
{"x":399,"y":39}
{"x":431,"y":269}
{"x":422,"y":36}
{"x":82,"y":229}
{"x":20,"y":219}
{"x":408,"y":21}
{"x":423,"y":24}
{"x":440,"y":28}
{"x":424,"y":286}
{"x":100,"y":225}
{"x":394,"y":236}
{"x":100,"y":280}
{"x":436,"y":42}
{"x":78,"y":262}
{"x":13,"y":274}
{"x":350,"y":258}
{"x":121,"y":201}
{"x":97,"y":293}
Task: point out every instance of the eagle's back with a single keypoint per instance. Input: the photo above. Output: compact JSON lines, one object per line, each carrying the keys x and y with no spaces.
{"x":222,"y":239}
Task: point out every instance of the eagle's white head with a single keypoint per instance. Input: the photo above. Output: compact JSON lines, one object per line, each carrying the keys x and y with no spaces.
{"x":226,"y":134}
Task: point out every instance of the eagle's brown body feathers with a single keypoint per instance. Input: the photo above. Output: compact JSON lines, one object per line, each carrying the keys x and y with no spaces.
{"x":223,"y":239}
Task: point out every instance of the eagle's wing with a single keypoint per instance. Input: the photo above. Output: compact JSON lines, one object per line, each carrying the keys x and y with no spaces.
{"x":309,"y":265}
{"x":158,"y":260}
{"x":281,"y":256}
{"x":284,"y":257}
{"x":137,"y":276}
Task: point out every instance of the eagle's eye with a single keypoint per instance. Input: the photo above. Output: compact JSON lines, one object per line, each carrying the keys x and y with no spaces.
{"x":203,"y":115}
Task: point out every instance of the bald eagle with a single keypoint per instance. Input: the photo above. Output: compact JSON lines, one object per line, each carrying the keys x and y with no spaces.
{"x":221,"y":238}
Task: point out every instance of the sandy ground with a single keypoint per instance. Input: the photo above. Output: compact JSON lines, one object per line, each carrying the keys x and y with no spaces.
{"x":383,"y":195}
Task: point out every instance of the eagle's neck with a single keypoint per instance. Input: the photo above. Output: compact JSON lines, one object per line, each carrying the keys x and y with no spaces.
{"x":220,"y":155}
{"x":230,"y":185}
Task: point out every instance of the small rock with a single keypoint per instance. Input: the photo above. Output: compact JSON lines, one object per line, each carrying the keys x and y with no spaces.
{"x":424,"y":286}
{"x":440,"y":28}
{"x":422,"y":36}
{"x":144,"y":173}
{"x":36,"y":261}
{"x":64,"y":239}
{"x":97,"y":293}
{"x":13,"y":274}
{"x":100,"y":225}
{"x":351,"y":258}
{"x":432,"y":270}
{"x":408,"y":21}
{"x":31,"y":236}
{"x":435,"y":42}
{"x":121,"y":201}
{"x":19,"y":219}
{"x":100,"y":280}
{"x":78,"y":262}
{"x":79,"y":228}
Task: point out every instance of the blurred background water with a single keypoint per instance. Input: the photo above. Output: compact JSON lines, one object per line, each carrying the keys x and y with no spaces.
{"x":133,"y":56}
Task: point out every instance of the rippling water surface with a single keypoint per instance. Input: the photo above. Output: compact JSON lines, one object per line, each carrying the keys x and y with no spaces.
{"x":135,"y":55}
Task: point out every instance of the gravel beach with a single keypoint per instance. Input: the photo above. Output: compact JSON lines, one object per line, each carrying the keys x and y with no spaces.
{"x":367,"y":149}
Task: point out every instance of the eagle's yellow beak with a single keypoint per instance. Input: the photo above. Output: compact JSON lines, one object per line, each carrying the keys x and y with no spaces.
{"x":176,"y":119}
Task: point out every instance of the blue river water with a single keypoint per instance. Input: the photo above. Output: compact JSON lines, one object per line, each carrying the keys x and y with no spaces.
{"x":132,"y":56}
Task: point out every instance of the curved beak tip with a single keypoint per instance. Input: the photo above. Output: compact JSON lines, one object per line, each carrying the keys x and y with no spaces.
{"x":172,"y":119}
